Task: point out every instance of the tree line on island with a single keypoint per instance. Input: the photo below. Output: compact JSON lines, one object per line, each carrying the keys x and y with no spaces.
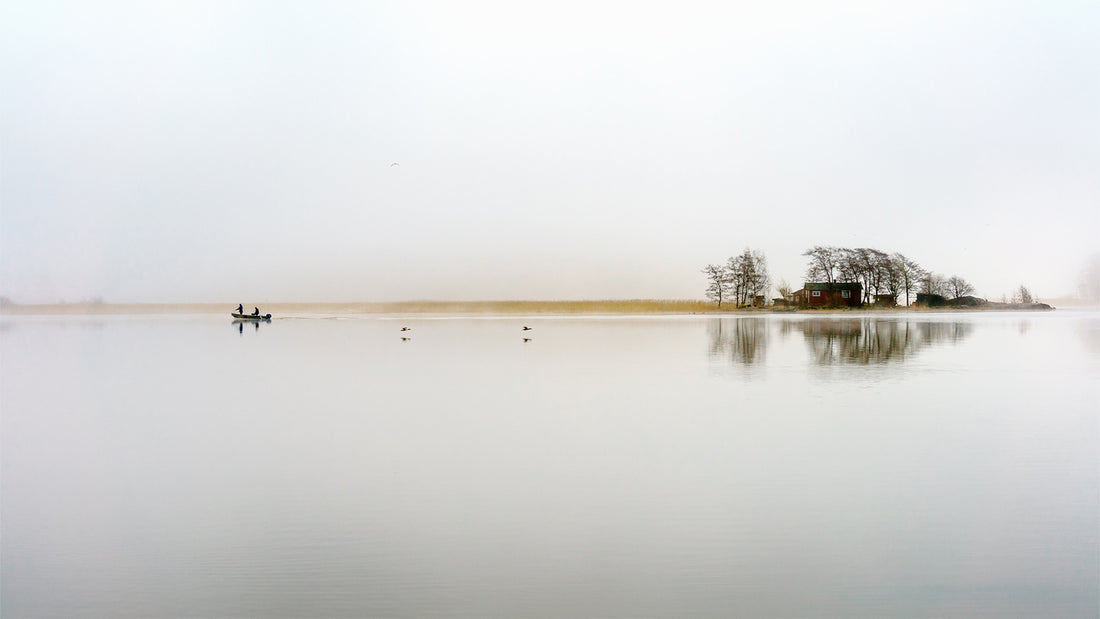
{"x":884,"y":277}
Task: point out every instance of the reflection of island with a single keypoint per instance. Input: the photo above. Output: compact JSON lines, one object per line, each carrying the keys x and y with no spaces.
{"x":834,"y":341}
{"x":866,"y":340}
{"x":742,"y":340}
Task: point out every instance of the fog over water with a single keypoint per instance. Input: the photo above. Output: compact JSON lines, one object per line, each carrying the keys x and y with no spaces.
{"x":336,"y":466}
{"x":216,"y":152}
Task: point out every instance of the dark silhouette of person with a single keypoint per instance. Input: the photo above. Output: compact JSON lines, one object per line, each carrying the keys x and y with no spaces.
{"x":240,"y":308}
{"x":255,"y":311}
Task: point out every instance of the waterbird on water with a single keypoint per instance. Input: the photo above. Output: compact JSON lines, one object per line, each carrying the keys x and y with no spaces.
{"x":406,"y":329}
{"x":526,"y":328}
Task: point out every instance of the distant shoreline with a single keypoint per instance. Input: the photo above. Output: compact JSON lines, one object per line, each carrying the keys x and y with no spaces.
{"x":614,"y":307}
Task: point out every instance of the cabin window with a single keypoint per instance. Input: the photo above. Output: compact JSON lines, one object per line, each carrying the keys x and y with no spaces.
{"x":817,"y":293}
{"x":846,"y":293}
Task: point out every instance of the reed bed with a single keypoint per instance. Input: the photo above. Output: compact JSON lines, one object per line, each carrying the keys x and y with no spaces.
{"x":632,"y":306}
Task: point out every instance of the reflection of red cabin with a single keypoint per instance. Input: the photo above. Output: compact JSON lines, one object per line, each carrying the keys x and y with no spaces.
{"x":825,"y":294}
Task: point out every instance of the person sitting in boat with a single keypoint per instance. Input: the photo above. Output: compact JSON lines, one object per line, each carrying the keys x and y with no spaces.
{"x":255,"y":311}
{"x":240,"y":308}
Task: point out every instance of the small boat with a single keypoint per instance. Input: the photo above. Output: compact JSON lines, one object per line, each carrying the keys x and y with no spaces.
{"x":252,"y":316}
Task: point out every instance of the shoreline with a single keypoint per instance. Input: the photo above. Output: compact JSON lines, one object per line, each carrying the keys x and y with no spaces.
{"x":503,"y":308}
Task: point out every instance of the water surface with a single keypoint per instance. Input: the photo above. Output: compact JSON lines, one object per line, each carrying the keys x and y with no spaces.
{"x":770,"y":466}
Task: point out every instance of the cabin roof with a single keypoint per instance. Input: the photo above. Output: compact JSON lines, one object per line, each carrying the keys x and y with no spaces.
{"x":833,"y":286}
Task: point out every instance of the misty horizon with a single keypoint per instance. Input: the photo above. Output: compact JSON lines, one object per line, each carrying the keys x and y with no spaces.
{"x":206,"y":152}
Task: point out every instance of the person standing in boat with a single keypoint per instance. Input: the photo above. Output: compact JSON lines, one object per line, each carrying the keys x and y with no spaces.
{"x":240,"y":308}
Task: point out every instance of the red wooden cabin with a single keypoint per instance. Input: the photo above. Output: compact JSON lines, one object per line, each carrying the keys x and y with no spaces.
{"x":825,"y":294}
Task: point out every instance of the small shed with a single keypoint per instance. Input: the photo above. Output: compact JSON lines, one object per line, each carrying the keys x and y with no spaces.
{"x":886,"y":300}
{"x":829,"y":294}
{"x":930,"y":300}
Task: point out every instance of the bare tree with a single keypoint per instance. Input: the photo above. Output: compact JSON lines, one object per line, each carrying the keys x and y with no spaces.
{"x":824,"y":263}
{"x":749,"y":274}
{"x":760,"y":281}
{"x":909,"y":272}
{"x":959,"y":287}
{"x":784,"y":289}
{"x":934,"y":283}
{"x":892,"y":279}
{"x":734,"y":281}
{"x":847,"y":265}
{"x":1023,"y":295}
{"x":717,"y":282}
{"x":885,"y":279}
{"x":734,"y":268}
{"x":866,"y":266}
{"x":740,"y":269}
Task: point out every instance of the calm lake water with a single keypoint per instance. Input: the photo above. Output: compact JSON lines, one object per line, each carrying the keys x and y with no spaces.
{"x":939,"y":465}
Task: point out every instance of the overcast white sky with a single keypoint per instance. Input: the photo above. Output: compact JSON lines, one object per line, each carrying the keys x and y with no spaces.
{"x":240,"y":151}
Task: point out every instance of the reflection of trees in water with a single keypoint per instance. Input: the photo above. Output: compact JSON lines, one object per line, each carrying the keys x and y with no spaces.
{"x":787,"y":327}
{"x":867,"y":341}
{"x":833,"y":341}
{"x":741,"y":340}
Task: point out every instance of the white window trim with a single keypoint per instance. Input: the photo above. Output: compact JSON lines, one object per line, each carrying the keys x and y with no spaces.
{"x":816,"y":293}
